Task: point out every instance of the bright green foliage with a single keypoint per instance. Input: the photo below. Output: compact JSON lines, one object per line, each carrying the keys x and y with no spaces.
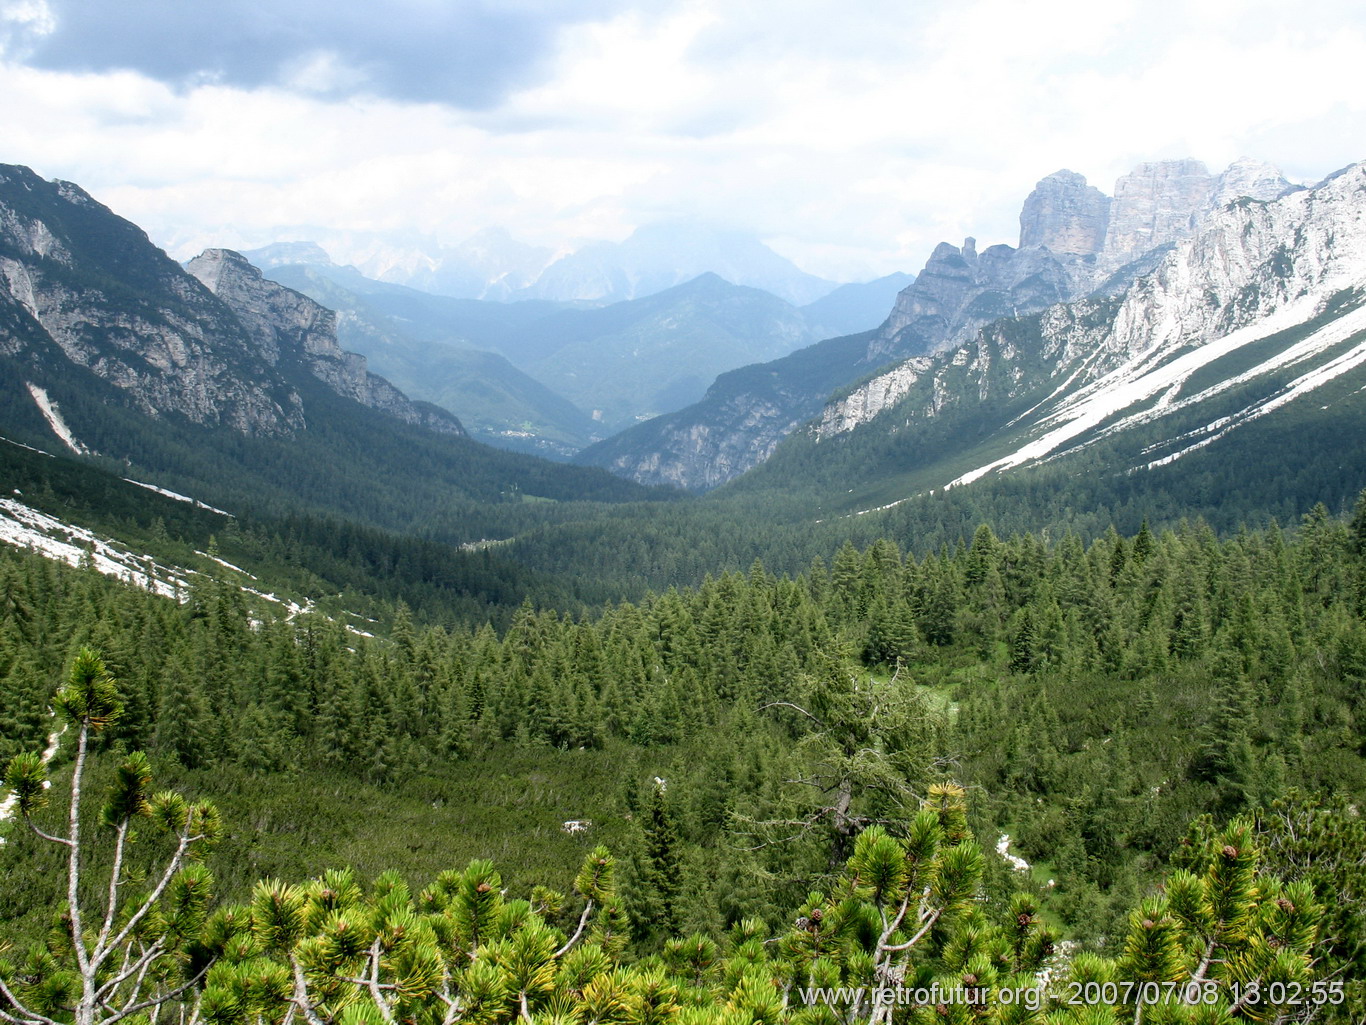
{"x":1206,"y":676}
{"x":113,"y":953}
{"x":1224,"y":941}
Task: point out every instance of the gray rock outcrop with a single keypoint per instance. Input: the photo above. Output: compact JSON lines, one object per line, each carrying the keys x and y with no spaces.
{"x":1065,"y":215}
{"x":75,"y":276}
{"x":1154,"y":204}
{"x":284,"y":323}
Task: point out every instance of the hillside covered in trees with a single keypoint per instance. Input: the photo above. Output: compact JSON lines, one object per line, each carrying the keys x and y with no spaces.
{"x":775,"y":782}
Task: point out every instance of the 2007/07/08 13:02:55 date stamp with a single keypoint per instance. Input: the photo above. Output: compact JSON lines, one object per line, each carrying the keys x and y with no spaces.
{"x":1249,"y":994}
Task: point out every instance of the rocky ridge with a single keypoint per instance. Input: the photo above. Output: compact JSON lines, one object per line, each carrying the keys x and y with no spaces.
{"x":219,"y":345}
{"x":1276,"y":289}
{"x":284,"y":323}
{"x":1065,"y":215}
{"x":1075,"y":242}
{"x":1156,"y":206}
{"x":152,"y":330}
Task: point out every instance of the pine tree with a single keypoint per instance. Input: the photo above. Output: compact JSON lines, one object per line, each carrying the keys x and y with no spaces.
{"x":659,"y":907}
{"x":124,"y":952}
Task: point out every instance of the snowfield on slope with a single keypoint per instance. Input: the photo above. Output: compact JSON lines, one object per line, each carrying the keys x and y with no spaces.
{"x":1137,"y":381}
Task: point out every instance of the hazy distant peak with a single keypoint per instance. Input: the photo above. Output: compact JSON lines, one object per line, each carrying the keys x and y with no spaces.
{"x":286,"y":254}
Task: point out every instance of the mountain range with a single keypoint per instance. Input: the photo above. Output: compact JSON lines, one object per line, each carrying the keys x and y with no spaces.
{"x":1241,"y":321}
{"x":553,"y":377}
{"x":493,"y":265}
{"x":1074,"y":242}
{"x":214,"y":380}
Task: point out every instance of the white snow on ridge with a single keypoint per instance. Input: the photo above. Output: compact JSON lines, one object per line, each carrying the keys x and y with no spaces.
{"x":178,"y":497}
{"x":20,"y":444}
{"x":1317,"y":377}
{"x":54,"y":420}
{"x":1138,"y":380}
{"x":25,"y":527}
{"x":224,"y":563}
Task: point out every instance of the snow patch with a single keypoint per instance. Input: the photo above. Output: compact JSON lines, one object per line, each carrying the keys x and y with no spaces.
{"x":9,"y":804}
{"x":20,"y":444}
{"x":1143,"y":377}
{"x":178,"y":497}
{"x":54,"y":420}
{"x":1003,"y":849}
{"x":26,"y":527}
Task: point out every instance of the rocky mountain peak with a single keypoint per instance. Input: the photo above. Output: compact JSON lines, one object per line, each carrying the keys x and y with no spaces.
{"x":1248,"y":177}
{"x":1156,"y":203}
{"x":279,"y":319}
{"x":1065,"y":215}
{"x":288,"y":326}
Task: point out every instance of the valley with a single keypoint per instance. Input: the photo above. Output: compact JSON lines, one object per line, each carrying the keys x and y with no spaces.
{"x":739,"y":695}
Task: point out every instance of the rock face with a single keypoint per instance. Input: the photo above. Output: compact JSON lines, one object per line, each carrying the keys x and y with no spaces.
{"x":1074,"y":242}
{"x":221,"y":347}
{"x":1254,"y":179}
{"x":77,"y":277}
{"x":1155,"y":204}
{"x":1065,"y":215}
{"x":285,"y":324}
{"x":1270,"y":291}
{"x":960,"y":290}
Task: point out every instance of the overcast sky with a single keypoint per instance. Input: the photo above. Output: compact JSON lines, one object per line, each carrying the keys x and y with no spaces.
{"x":851,"y":136}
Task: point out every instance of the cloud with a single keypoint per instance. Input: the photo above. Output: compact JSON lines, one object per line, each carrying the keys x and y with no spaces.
{"x":467,"y":54}
{"x":853,"y":137}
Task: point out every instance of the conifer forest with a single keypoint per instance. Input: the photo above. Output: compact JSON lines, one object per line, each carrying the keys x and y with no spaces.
{"x":1016,"y":779}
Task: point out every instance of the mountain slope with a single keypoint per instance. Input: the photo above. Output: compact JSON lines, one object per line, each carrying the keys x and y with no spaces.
{"x":852,"y":308}
{"x":737,"y":424}
{"x":239,"y":397}
{"x":637,"y":359}
{"x":1259,"y":319}
{"x":419,"y":342}
{"x":959,"y":292}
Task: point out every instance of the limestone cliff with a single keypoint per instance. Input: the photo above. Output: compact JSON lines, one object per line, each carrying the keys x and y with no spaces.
{"x":285,"y":324}
{"x":1065,"y":215}
{"x":93,"y":285}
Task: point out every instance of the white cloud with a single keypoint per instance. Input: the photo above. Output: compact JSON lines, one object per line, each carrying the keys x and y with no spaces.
{"x":854,"y":139}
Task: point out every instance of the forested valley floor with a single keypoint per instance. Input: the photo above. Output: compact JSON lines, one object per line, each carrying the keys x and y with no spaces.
{"x":696,"y":806}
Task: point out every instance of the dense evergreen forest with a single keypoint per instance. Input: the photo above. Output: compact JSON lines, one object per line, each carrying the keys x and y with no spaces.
{"x":707,"y":800}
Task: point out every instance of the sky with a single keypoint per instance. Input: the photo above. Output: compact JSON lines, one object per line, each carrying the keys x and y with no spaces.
{"x":851,"y":137}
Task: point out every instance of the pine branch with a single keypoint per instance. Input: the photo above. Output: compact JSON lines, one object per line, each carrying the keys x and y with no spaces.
{"x":789,"y":704}
{"x":114,"y":885}
{"x":46,"y":836}
{"x":583,"y":922}
{"x":300,"y":997}
{"x":139,"y":967}
{"x":34,"y":1018}
{"x":73,"y":875}
{"x":157,"y":1000}
{"x":929,"y":924}
{"x":381,"y":1004}
{"x":171,"y":869}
